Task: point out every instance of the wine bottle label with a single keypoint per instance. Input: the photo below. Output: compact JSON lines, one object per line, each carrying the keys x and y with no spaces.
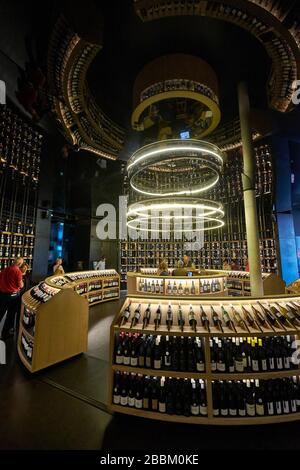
{"x":134,"y":361}
{"x":255,"y":365}
{"x":154,"y":404}
{"x":126,"y":360}
{"x":242,"y":412}
{"x":148,"y":361}
{"x":200,"y":366}
{"x":157,"y":364}
{"x":131,"y":401}
{"x":250,"y":408}
{"x":278,"y":407}
{"x":239,"y":366}
{"x":116,"y":399}
{"x":119,"y":359}
{"x":270,"y":408}
{"x":138,"y":403}
{"x":264,"y":364}
{"x":286,"y":407}
{"x":298,"y":402}
{"x":141,"y":361}
{"x":279,"y":363}
{"x":286,"y":362}
{"x":213,"y":366}
{"x":224,"y":412}
{"x":245,"y":363}
{"x":124,"y":401}
{"x":203,"y":410}
{"x":293,"y":406}
{"x":146,"y":403}
{"x":260,"y":411}
{"x":216,"y":412}
{"x":221,"y":366}
{"x":162,"y":407}
{"x":232,"y":412}
{"x":195,"y":409}
{"x":271,"y":363}
{"x":231,"y":369}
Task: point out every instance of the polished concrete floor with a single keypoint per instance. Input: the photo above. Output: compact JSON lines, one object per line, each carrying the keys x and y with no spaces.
{"x":65,"y":407}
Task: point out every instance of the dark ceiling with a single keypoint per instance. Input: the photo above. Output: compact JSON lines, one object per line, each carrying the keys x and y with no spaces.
{"x":129,"y":44}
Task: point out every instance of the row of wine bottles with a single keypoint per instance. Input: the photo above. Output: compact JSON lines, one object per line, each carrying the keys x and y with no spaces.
{"x":227,"y":355}
{"x":91,"y":274}
{"x":262,"y":314}
{"x":252,"y":354}
{"x":256,"y":397}
{"x":160,"y":352}
{"x":165,"y":395}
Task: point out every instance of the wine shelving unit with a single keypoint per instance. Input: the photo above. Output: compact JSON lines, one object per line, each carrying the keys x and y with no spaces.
{"x":53,"y":330}
{"x":54,"y":315}
{"x":206,"y":283}
{"x":20,"y":151}
{"x":96,"y":286}
{"x":263,"y":319}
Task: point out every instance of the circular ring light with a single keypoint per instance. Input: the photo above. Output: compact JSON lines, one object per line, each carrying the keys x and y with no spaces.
{"x":177,"y":167}
{"x":140,"y":214}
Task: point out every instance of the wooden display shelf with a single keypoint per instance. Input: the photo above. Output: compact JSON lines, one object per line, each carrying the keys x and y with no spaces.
{"x":160,"y":416}
{"x":61,"y":327}
{"x":208,"y":376}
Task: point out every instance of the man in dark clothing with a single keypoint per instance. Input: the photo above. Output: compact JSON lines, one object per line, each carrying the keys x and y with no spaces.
{"x":11,"y":283}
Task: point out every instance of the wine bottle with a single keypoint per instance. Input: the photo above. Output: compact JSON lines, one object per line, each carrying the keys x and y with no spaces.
{"x":215,"y":318}
{"x":169,"y":317}
{"x":154,"y":395}
{"x":220,"y":360}
{"x":192,"y":319}
{"x":213,"y":355}
{"x":204,"y":319}
{"x":280,"y":317}
{"x":138,"y":401}
{"x":238,"y":359}
{"x":226,"y":317}
{"x":157,"y":319}
{"x":195,"y":406}
{"x":136,"y":316}
{"x":237,"y":317}
{"x":199,"y":356}
{"x":167,"y":355}
{"x":249,"y":399}
{"x":134,"y":352}
{"x":162,"y":396}
{"x":259,"y":316}
{"x":259,"y":399}
{"x":148,"y":355}
{"x":269,"y":315}
{"x":180,"y":318}
{"x":116,"y":390}
{"x":287,"y":313}
{"x":248,"y":317}
{"x":203,"y":399}
{"x":147,"y":316}
{"x":157,"y":353}
{"x":262,"y":357}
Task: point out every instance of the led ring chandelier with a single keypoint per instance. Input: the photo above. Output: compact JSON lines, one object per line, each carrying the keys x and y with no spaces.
{"x":176,"y":167}
{"x":160,"y":212}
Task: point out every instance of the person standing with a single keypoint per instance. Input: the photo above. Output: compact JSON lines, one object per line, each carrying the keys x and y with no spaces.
{"x":187,"y":263}
{"x":11,"y":283}
{"x":101,"y":264}
{"x":58,"y":269}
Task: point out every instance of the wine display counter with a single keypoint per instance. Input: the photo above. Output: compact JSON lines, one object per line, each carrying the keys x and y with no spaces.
{"x":206,"y":282}
{"x":175,"y":286}
{"x":54,"y":315}
{"x":97,"y":286}
{"x":206,"y":360}
{"x":53,"y":330}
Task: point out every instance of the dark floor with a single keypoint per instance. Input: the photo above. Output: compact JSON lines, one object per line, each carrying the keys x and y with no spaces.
{"x":64,"y":407}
